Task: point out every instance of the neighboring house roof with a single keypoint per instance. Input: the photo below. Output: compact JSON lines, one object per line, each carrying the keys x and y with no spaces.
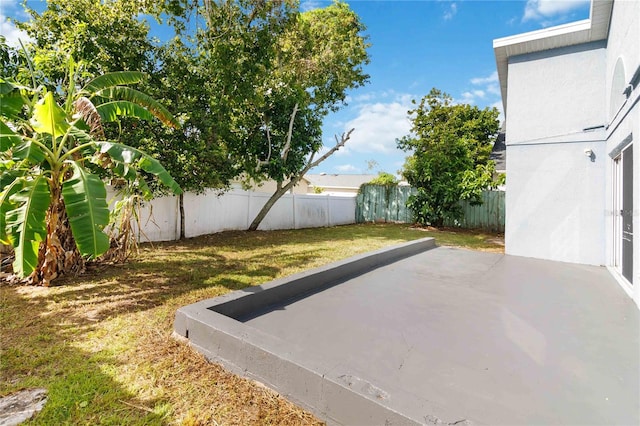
{"x":593,"y":29}
{"x":241,"y":181}
{"x":337,"y":181}
{"x":499,"y":153}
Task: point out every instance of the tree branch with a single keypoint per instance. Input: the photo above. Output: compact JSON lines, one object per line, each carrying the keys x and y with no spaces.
{"x":265,"y":162}
{"x":339,"y":144}
{"x":281,"y":190}
{"x":287,"y":146}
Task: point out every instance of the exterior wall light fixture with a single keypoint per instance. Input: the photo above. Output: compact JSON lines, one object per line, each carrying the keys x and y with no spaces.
{"x":589,"y":153}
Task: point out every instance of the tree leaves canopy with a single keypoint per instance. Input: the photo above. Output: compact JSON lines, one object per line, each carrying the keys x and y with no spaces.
{"x":450,"y":145}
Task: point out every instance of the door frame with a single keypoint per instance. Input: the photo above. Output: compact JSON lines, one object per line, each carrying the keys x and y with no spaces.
{"x":617,"y":196}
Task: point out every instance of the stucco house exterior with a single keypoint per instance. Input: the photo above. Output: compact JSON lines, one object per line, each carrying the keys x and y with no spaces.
{"x":269,"y":186}
{"x":338,"y":184}
{"x":571,"y":100}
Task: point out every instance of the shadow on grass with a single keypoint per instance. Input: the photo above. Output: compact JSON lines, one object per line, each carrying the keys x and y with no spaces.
{"x":36,"y":353}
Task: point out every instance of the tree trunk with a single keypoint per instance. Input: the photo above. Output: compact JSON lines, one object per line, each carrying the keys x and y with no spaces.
{"x":58,"y":254}
{"x":181,"y":207}
{"x":280,"y":191}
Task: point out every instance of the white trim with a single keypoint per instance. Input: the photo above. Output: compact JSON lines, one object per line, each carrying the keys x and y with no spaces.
{"x":622,"y":281}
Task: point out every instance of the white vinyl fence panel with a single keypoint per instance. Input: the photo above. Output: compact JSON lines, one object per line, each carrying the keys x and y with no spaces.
{"x":213,"y":212}
{"x":160,"y":220}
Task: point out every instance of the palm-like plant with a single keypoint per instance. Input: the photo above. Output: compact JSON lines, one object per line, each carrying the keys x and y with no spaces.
{"x":53,"y":207}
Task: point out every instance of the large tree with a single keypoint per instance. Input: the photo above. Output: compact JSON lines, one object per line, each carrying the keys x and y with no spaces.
{"x":305,"y":65}
{"x":450,"y":146}
{"x":197,"y":155}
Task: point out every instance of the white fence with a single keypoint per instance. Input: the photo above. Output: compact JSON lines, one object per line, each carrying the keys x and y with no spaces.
{"x":235,"y":210}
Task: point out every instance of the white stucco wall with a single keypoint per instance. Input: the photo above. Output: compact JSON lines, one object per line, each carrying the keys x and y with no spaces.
{"x":624,"y":122}
{"x":554,"y":202}
{"x":555,"y":93}
{"x":555,"y":194}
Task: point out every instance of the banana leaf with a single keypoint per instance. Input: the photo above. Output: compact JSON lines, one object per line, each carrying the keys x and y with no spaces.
{"x":26,"y":223}
{"x":28,"y":151}
{"x":141,"y":99}
{"x":129,"y":156}
{"x":8,"y":137}
{"x":85,"y":200}
{"x":113,"y":79}
{"x":11,"y":187}
{"x":110,"y":111}
{"x":48,"y":117}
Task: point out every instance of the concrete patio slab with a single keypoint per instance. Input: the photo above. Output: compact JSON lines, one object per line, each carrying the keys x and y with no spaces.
{"x":421,"y":335}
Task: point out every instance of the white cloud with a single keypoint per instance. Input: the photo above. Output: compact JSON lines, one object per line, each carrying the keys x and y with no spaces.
{"x":11,"y":33}
{"x":360,"y":98}
{"x":467,"y":98}
{"x":493,"y":78}
{"x":378,"y":125}
{"x":486,"y":90}
{"x":472,"y":96}
{"x":494,"y":89}
{"x":544,"y":9}
{"x":346,"y":168}
{"x":308,"y":5}
{"x":450,"y":12}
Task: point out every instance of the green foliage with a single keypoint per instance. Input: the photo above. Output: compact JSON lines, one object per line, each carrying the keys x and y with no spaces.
{"x":85,"y":199}
{"x":278,"y":72}
{"x":50,"y":152}
{"x":250,"y":81}
{"x":106,"y":34}
{"x":25,"y":221}
{"x":229,"y":82}
{"x":450,"y":146}
{"x":384,"y":178}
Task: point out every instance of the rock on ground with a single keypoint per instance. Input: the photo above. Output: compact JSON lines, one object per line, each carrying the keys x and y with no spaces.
{"x":20,"y":406}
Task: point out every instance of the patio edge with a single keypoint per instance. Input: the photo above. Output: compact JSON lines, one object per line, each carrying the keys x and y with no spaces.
{"x":213,"y":329}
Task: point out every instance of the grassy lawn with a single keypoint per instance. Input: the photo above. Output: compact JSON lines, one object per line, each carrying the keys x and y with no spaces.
{"x":101,"y":343}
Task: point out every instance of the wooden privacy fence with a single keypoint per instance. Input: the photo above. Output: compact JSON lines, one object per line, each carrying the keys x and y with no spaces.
{"x":489,"y":215}
{"x":387,"y":203}
{"x":383,"y":203}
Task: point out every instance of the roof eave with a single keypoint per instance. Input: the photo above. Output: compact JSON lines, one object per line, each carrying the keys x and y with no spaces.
{"x":593,"y":29}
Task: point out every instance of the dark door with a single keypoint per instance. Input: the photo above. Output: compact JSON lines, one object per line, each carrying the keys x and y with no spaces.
{"x":627,"y":213}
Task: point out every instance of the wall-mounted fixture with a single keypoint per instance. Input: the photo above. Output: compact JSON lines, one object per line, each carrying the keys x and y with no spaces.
{"x":589,"y":153}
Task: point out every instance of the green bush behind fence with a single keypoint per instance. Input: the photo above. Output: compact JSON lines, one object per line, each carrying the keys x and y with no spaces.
{"x":388,"y":203}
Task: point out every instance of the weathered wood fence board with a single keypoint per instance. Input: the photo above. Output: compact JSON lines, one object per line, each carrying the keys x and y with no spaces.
{"x":382,"y":203}
{"x":489,"y":215}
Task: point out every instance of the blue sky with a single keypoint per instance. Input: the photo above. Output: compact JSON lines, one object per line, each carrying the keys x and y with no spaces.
{"x":415,"y":46}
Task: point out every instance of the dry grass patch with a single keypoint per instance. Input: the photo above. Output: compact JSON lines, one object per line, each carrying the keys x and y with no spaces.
{"x":101,"y":343}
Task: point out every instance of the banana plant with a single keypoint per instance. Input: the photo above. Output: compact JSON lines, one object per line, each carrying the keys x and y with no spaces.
{"x":53,"y":207}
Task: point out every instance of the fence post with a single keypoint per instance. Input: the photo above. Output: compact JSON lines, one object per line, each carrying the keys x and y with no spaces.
{"x":328,"y":210}
{"x":293,"y":203}
{"x":248,"y":209}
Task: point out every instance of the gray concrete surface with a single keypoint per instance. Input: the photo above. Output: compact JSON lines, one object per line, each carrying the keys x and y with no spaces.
{"x":445,"y":335}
